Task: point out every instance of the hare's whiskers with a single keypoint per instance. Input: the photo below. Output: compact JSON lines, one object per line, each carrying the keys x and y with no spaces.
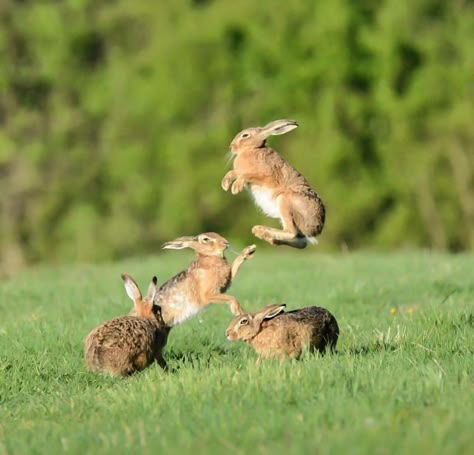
{"x":229,"y":157}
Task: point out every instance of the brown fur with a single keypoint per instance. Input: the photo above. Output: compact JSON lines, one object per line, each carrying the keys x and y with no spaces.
{"x":205,"y":281}
{"x":127,"y":344}
{"x":292,"y":200}
{"x":274,"y":333}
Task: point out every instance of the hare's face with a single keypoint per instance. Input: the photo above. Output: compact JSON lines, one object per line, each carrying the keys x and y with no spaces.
{"x":246,"y":326}
{"x":242,"y":328}
{"x":252,"y":138}
{"x":247,"y":139}
{"x":211,"y":244}
{"x":207,"y":244}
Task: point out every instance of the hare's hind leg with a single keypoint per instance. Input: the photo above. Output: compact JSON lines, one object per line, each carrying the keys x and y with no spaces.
{"x":233,"y":303}
{"x":289,"y":235}
{"x":279,"y":237}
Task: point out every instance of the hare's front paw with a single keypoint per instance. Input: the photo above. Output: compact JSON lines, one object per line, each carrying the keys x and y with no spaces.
{"x":238,"y":186}
{"x":227,"y":181}
{"x":248,"y":252}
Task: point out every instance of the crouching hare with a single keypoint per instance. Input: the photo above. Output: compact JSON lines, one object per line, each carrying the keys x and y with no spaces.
{"x":127,"y":344}
{"x":274,"y":333}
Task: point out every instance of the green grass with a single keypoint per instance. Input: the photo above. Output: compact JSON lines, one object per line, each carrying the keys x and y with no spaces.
{"x":401,"y":382}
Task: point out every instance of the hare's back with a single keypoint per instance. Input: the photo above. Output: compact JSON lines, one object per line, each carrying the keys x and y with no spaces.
{"x":319,"y":321}
{"x":125,"y":332}
{"x":312,"y":314}
{"x":123,"y":345}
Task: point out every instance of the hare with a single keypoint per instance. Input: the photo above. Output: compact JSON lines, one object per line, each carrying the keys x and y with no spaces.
{"x":127,"y":344}
{"x":205,"y":280}
{"x":277,"y":187}
{"x":274,"y":333}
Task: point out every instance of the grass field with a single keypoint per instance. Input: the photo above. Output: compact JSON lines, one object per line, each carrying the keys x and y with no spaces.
{"x":401,"y":382}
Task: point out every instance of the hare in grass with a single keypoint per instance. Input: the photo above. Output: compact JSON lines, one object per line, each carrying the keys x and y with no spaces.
{"x":277,"y":187}
{"x":127,"y":344}
{"x":205,"y":281}
{"x":274,"y":333}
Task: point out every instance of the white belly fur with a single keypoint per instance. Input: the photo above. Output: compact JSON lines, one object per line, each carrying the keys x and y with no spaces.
{"x":181,"y":307}
{"x":264,"y":199}
{"x":187,"y":313}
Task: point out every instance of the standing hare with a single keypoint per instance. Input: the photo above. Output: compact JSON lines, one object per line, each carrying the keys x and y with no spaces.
{"x":274,"y":333}
{"x":277,"y":187}
{"x":205,"y":280}
{"x":127,"y":344}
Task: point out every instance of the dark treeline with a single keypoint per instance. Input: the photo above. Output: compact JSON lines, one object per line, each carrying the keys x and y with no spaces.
{"x":115,"y":120}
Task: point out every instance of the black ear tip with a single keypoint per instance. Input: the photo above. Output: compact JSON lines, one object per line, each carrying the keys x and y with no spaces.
{"x":155,"y":280}
{"x":124,"y":276}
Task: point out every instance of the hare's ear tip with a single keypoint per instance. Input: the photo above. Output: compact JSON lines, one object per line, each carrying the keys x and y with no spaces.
{"x":124,"y":276}
{"x":275,"y":305}
{"x":155,"y":280}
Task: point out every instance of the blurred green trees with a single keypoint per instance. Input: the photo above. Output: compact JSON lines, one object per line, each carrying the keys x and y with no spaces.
{"x":115,"y":119}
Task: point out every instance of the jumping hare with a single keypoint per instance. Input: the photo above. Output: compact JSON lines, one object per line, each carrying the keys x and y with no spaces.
{"x":274,"y":333}
{"x":277,"y":187}
{"x":127,"y":344}
{"x":205,"y":280}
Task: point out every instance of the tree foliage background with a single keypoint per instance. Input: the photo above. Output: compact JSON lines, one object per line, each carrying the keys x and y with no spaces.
{"x":116,"y":115}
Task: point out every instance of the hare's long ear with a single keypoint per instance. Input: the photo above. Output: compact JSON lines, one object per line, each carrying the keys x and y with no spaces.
{"x":179,"y":243}
{"x":131,"y":287}
{"x":269,"y":312}
{"x":279,"y":127}
{"x":150,"y":295}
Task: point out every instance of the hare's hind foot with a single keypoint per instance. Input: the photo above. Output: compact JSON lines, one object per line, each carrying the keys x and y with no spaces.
{"x":279,"y":237}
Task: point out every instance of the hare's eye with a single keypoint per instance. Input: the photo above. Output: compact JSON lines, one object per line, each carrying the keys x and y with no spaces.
{"x":205,"y":239}
{"x":244,"y":321}
{"x":245,"y":135}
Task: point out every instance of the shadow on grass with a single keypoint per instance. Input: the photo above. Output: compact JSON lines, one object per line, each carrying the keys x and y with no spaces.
{"x":366,"y":349}
{"x":197,"y":359}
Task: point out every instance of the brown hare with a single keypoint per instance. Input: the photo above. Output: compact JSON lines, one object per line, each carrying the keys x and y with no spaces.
{"x":127,"y":344}
{"x":275,"y":333}
{"x":277,"y":187}
{"x":205,"y":281}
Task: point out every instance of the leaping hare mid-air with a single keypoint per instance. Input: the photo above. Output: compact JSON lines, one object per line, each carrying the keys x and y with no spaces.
{"x":276,"y":186}
{"x":205,"y":281}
